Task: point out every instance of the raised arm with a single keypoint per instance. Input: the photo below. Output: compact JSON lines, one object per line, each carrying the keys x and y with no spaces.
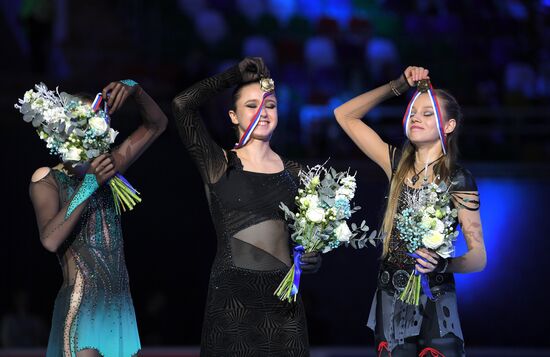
{"x":349,"y":115}
{"x":207,"y":154}
{"x":154,"y":121}
{"x":56,"y":222}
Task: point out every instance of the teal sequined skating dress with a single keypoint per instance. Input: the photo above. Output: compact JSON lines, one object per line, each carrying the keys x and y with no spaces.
{"x":93,"y":309}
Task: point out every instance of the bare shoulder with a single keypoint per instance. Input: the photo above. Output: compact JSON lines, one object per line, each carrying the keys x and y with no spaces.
{"x":40,"y":173}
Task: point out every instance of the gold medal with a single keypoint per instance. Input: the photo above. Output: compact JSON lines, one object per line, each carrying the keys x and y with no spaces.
{"x":423,"y":85}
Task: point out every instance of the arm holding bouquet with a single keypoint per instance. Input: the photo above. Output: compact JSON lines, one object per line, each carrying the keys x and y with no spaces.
{"x":56,"y":223}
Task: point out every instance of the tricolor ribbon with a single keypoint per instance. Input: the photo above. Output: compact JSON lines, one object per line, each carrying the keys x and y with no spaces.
{"x":437,"y":111}
{"x":97,"y":103}
{"x":298,"y":251}
{"x":424,"y":281}
{"x":253,"y":123}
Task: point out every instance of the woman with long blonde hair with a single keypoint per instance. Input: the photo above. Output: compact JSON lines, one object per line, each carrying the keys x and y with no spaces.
{"x":429,"y":154}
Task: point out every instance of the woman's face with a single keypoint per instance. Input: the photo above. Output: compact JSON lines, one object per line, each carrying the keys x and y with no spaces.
{"x":422,"y":127}
{"x":250,"y":98}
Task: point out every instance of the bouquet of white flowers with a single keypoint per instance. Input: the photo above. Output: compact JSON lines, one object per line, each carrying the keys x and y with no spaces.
{"x":427,"y":221}
{"x":76,"y":131}
{"x":319,"y":224}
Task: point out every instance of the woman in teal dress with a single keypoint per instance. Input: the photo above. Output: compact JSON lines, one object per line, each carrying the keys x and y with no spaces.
{"x":75,"y":211}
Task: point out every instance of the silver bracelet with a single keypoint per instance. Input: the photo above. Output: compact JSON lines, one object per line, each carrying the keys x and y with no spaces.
{"x":393,"y":89}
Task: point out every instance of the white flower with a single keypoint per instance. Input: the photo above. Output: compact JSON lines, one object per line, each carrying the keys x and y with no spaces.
{"x":315,"y":214}
{"x":340,"y":197}
{"x":349,"y":181}
{"x":54,"y":115}
{"x":427,"y":221}
{"x":433,"y":240}
{"x":72,"y":154}
{"x":309,"y":201}
{"x":439,"y":226}
{"x":112,"y":135}
{"x":98,"y":125}
{"x":345,"y":191}
{"x":430,"y":210}
{"x":81,"y":111}
{"x":29,"y":96}
{"x":50,"y":140}
{"x":343,"y":233}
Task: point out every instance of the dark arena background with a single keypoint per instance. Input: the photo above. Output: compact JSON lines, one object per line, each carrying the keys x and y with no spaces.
{"x":493,"y":55}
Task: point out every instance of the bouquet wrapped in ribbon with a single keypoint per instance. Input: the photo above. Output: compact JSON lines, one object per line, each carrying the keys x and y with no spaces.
{"x":319,"y":223}
{"x":76,"y":131}
{"x":427,"y":222}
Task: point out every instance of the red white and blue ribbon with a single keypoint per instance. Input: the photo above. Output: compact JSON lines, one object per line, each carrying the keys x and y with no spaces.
{"x":253,"y":123}
{"x":437,"y":112}
{"x":96,"y":104}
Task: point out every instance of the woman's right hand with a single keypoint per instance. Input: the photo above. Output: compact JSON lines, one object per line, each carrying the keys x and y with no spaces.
{"x":414,"y":74}
{"x":253,"y":68}
{"x":103,"y":167}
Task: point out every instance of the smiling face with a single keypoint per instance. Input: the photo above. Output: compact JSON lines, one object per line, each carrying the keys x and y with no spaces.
{"x":248,"y":100}
{"x":422,"y":127}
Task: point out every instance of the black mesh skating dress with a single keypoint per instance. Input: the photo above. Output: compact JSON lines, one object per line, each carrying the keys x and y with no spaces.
{"x":242,"y":316}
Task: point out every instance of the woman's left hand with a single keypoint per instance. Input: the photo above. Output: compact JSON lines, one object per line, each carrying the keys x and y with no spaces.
{"x":116,"y":94}
{"x":310,"y":262}
{"x":430,"y":261}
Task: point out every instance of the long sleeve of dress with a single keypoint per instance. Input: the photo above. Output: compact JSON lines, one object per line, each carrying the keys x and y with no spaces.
{"x":207,"y":154}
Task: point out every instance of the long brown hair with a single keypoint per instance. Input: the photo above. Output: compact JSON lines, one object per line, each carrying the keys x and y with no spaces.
{"x":443,"y":168}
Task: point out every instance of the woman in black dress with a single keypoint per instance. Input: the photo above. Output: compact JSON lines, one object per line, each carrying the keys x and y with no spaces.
{"x":244,"y":187}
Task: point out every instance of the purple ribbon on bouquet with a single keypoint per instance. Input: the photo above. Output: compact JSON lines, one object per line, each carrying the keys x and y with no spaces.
{"x":123,"y":179}
{"x":423,"y":277}
{"x":298,"y":251}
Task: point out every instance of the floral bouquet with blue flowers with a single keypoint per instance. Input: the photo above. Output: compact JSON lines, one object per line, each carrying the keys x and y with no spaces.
{"x":427,"y":222}
{"x":76,"y":131}
{"x":320,"y":221}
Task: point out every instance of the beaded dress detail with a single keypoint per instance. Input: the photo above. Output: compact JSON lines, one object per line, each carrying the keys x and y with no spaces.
{"x":93,"y":309}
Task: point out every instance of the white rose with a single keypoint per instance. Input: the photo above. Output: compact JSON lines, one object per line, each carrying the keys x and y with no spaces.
{"x":430,"y":210}
{"x":310,"y":201}
{"x":342,"y":232}
{"x":112,"y":135}
{"x":72,"y":154}
{"x":315,"y":214}
{"x":433,"y":240}
{"x":98,"y":125}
